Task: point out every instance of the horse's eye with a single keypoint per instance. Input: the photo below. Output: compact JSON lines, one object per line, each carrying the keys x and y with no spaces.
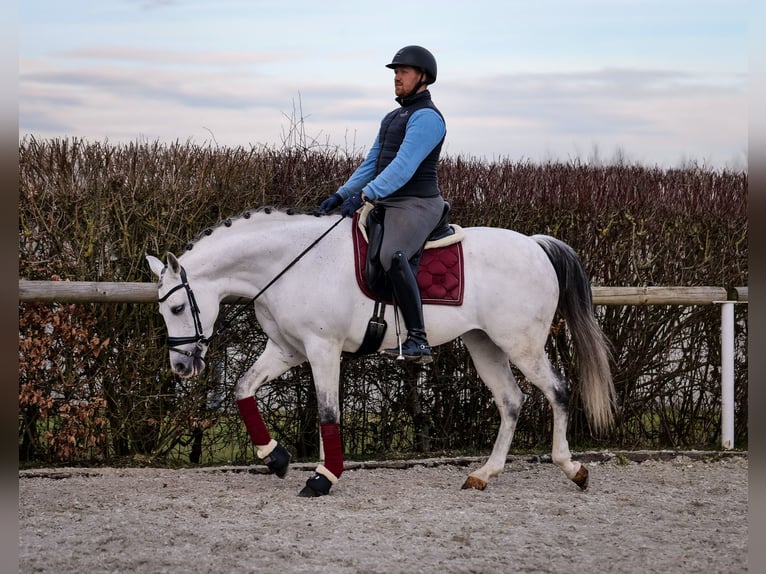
{"x":177,"y":310}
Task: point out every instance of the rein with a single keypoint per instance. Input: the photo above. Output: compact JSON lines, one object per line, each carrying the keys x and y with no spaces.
{"x":298,"y":258}
{"x":199,"y":337}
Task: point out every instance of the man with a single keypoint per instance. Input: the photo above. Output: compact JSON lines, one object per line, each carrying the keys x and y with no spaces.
{"x":400,"y":173}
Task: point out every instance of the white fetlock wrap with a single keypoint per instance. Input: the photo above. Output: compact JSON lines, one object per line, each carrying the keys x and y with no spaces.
{"x":322,"y":469}
{"x":264,"y":451}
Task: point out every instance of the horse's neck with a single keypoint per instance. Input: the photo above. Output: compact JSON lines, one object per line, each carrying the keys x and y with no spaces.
{"x":242,"y":258}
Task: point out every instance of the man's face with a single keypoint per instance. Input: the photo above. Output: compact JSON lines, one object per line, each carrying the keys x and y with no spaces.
{"x":405,"y":79}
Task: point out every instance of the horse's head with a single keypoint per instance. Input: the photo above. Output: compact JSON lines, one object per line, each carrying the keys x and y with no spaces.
{"x":189,"y":316}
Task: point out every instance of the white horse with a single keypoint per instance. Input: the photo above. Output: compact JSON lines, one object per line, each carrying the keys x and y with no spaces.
{"x":314,"y":311}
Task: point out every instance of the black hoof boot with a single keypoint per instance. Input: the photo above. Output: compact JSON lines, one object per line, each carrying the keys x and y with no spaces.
{"x":278,"y":461}
{"x":317,"y":485}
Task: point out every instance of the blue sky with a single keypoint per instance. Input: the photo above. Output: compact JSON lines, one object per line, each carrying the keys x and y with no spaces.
{"x":657,"y":82}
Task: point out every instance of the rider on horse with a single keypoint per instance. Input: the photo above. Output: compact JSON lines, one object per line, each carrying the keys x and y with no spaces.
{"x":400,"y":174}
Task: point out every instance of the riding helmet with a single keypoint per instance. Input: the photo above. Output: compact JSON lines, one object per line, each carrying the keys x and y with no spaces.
{"x":417,"y":57}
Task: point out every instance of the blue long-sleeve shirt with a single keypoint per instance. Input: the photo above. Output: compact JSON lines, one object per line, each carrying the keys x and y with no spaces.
{"x":425,"y":129}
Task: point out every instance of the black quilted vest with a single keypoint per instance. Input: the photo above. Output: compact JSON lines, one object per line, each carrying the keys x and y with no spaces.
{"x":424,"y":182}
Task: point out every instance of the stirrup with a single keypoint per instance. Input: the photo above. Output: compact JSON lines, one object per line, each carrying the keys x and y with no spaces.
{"x":411,"y":351}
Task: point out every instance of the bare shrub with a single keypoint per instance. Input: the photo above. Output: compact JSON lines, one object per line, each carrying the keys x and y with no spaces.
{"x":93,"y":379}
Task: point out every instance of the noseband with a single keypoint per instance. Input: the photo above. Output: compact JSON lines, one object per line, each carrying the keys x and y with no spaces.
{"x":199,"y":338}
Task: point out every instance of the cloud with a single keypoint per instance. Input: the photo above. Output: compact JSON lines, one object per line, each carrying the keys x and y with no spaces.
{"x":616,"y":107}
{"x":35,"y":120}
{"x":122,"y":56}
{"x":121,"y":92}
{"x":153,"y":4}
{"x":181,"y":89}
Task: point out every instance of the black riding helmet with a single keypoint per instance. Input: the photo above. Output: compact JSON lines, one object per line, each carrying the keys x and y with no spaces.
{"x":417,"y":57}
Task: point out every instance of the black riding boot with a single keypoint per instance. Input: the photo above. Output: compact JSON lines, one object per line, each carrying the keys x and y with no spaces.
{"x":407,"y":296}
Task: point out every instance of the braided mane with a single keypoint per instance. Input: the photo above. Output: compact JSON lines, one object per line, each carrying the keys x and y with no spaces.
{"x":246,"y":214}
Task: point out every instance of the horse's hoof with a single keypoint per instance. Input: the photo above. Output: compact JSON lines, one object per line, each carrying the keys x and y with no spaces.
{"x":581,"y":478}
{"x":278,"y":461}
{"x":307,"y":492}
{"x":475,"y":483}
{"x":317,"y":485}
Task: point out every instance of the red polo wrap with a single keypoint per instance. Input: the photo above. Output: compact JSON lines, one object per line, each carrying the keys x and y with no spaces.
{"x":256,"y":428}
{"x":333,"y":450}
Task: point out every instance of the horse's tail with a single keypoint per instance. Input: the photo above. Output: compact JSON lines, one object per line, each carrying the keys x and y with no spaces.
{"x":591,"y":345}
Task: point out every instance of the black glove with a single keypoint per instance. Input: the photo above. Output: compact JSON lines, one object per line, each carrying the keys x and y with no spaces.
{"x":350,"y":206}
{"x":330,"y":203}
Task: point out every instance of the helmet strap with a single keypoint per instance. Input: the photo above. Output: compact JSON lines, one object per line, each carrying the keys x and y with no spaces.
{"x":414,"y":90}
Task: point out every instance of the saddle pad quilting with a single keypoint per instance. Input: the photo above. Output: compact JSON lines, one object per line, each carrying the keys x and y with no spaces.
{"x":440,"y":275}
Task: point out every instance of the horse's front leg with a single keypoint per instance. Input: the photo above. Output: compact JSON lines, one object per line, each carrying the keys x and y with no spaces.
{"x":271,"y":364}
{"x":325,"y":367}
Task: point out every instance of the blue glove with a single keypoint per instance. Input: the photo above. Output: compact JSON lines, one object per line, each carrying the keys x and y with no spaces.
{"x":350,"y":206}
{"x":330,"y":203}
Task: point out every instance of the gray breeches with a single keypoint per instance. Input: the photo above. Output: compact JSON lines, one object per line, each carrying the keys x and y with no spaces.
{"x":408,"y":222}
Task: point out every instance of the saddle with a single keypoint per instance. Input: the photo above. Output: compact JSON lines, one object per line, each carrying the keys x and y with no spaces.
{"x":439,"y":267}
{"x":439,"y":263}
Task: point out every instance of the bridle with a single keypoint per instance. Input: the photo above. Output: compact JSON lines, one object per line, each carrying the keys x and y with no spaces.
{"x":199,"y":338}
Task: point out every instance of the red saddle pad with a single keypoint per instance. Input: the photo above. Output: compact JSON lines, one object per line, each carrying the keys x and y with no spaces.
{"x":440,"y":275}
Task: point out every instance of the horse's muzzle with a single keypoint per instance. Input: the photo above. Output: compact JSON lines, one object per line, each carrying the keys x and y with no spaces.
{"x":189,"y":364}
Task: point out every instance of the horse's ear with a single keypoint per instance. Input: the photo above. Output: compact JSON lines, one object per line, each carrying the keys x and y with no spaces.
{"x":155,"y":264}
{"x":173,"y":263}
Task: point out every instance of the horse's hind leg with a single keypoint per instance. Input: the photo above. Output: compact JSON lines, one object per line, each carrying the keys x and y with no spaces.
{"x":540,"y":373}
{"x":492,"y":365}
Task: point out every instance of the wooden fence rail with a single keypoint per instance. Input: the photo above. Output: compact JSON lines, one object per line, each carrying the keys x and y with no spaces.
{"x":104,"y":292}
{"x":137,"y":292}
